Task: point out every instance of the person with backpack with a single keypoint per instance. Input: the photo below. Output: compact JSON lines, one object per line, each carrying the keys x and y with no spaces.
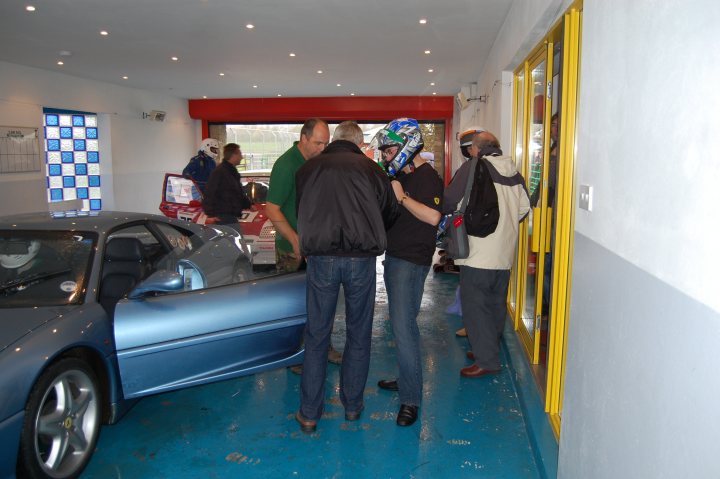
{"x":498,"y":203}
{"x":465,"y":139}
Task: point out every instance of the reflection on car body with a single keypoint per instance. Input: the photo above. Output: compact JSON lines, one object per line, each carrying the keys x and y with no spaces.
{"x":182,"y":199}
{"x":116,"y":306}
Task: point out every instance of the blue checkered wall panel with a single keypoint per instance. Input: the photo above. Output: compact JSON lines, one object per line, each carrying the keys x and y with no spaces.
{"x":72,"y":158}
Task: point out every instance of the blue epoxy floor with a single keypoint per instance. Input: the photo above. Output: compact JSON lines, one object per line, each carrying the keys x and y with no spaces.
{"x":245,"y":427}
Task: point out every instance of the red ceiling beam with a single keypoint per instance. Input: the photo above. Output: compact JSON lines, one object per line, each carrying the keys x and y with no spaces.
{"x":240,"y":110}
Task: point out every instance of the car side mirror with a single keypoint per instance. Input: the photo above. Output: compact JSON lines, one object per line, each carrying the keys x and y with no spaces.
{"x":158,"y":282}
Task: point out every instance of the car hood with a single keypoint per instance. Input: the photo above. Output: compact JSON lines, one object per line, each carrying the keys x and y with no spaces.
{"x":17,"y":322}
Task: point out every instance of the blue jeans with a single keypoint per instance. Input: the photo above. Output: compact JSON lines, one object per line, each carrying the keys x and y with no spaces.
{"x":325,"y":274}
{"x":405,"y":282}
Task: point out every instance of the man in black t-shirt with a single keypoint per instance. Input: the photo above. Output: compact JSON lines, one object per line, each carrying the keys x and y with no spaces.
{"x":411,"y":245}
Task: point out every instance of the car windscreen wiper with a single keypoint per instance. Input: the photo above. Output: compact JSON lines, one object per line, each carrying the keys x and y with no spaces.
{"x":22,"y":283}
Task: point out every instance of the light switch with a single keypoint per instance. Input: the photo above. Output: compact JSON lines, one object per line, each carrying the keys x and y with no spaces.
{"x":586,"y":192}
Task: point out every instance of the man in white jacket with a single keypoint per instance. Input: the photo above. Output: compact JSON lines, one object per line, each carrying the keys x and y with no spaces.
{"x":485,"y":273}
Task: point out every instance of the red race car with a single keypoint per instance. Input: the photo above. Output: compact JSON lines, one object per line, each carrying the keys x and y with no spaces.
{"x":182,"y":199}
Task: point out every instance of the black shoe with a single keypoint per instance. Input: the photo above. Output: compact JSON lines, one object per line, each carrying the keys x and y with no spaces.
{"x":352,"y":416}
{"x":389,"y":385}
{"x":407,"y":415}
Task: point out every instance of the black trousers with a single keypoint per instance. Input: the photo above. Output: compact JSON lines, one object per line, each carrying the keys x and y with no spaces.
{"x":483,"y":296}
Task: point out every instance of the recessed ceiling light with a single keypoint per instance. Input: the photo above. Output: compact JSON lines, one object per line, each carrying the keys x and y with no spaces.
{"x":60,"y":62}
{"x":254,"y":86}
{"x":174,"y":59}
{"x":423,"y":21}
{"x":205,"y":96}
{"x":430,"y":70}
{"x":104,"y":33}
{"x":125,"y":78}
{"x":427,"y":52}
{"x":292,"y":54}
{"x":338,"y":84}
{"x":352,"y":94}
{"x":30,"y":8}
{"x":434,"y":93}
{"x":279,"y":94}
{"x":249,"y":26}
{"x":432,"y":83}
{"x":221,"y":74}
{"x":320,"y":71}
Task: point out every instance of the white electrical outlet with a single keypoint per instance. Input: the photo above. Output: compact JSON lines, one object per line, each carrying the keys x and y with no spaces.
{"x":586,"y":197}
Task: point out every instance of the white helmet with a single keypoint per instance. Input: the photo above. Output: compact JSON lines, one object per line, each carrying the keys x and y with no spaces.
{"x":208,"y":145}
{"x":19,"y":255}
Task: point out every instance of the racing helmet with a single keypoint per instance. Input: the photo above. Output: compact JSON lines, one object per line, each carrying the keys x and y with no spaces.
{"x":404,"y":133}
{"x":18,"y":253}
{"x":208,"y":145}
{"x":465,"y":139}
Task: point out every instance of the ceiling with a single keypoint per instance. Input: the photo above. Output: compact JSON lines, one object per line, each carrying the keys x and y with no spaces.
{"x":370,"y":47}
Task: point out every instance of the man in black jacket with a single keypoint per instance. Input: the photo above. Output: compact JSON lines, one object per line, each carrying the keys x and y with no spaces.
{"x":224,"y":196}
{"x":345,"y":203}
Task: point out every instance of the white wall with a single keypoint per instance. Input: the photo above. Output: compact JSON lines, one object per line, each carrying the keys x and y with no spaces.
{"x":649,"y":136}
{"x":641,"y":385}
{"x":526,"y":23}
{"x":135,"y":153}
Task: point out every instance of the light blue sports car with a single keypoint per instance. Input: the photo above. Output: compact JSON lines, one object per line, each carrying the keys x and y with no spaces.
{"x":98,"y":310}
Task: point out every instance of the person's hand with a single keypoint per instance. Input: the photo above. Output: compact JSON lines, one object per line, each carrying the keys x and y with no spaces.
{"x":295,"y":242}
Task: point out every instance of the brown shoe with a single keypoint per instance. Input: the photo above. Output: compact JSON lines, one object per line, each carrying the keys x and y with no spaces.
{"x":306,"y":425}
{"x":476,"y":371}
{"x":461,"y":333}
{"x":334,"y":356}
{"x":470,"y":356}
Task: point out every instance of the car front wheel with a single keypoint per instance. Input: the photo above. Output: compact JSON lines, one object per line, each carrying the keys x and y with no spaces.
{"x":62,"y":422}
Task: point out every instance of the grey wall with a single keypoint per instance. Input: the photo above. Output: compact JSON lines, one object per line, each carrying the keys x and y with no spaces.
{"x":642,"y":388}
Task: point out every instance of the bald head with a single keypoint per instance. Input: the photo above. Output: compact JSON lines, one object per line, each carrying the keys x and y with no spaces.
{"x":484,"y":139}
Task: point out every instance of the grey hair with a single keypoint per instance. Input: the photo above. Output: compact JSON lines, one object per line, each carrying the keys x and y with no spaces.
{"x":350,"y":131}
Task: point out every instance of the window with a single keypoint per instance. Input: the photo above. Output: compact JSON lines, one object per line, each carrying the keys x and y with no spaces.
{"x":262,"y":144}
{"x":72,"y":157}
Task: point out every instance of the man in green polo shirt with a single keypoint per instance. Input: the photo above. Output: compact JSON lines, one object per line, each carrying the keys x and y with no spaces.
{"x":280,"y":208}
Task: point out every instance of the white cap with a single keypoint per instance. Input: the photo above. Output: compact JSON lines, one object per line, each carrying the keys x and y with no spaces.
{"x":428,"y":156}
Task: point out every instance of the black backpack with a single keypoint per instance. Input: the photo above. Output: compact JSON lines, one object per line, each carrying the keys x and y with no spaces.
{"x":482,"y":213}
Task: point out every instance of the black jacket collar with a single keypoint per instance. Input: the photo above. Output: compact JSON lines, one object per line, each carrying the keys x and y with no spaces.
{"x":342,"y":145}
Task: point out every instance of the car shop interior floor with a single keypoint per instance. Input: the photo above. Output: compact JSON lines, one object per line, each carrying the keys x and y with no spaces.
{"x":246,"y":428}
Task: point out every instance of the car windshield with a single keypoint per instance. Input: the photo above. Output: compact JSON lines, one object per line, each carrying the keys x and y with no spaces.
{"x":181,"y":190}
{"x":44,"y":268}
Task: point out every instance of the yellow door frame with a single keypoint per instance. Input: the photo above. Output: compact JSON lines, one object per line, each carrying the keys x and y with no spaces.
{"x":568,"y":28}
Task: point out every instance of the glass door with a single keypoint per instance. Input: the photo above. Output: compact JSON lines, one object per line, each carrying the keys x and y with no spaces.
{"x":536,"y":139}
{"x":518,"y":140}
